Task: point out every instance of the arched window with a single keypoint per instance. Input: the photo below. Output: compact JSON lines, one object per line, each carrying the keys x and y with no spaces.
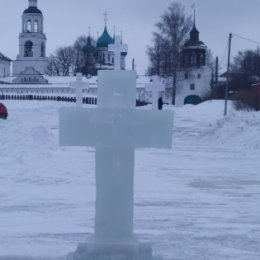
{"x":29,"y":26}
{"x":35,"y":26}
{"x":42,"y":50}
{"x":24,"y":26}
{"x":28,"y":49}
{"x":186,"y":60}
{"x":202,"y":59}
{"x":193,"y":59}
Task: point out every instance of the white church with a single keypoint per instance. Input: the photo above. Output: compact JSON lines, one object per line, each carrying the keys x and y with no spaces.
{"x":32,"y":45}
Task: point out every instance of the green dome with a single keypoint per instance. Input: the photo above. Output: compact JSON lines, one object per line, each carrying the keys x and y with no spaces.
{"x":105,"y":39}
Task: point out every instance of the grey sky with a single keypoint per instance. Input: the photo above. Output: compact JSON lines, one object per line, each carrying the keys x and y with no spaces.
{"x":65,"y":20}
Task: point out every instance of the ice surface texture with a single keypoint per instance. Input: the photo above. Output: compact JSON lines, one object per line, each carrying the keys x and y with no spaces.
{"x":115,"y":128}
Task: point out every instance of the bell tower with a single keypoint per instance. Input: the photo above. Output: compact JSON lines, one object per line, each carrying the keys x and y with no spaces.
{"x":32,"y":42}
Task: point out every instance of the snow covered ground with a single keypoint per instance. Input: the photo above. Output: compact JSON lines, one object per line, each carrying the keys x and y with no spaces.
{"x":198,"y":201}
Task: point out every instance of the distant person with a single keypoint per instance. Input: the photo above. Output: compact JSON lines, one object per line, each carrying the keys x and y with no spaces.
{"x":160,"y":103}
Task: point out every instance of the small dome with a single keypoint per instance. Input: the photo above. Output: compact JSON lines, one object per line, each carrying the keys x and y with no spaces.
{"x":105,"y":39}
{"x":32,"y":10}
{"x":89,"y":48}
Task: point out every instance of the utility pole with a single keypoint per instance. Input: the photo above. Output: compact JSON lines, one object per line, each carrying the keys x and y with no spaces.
{"x":228,"y":68}
{"x":216,"y":80}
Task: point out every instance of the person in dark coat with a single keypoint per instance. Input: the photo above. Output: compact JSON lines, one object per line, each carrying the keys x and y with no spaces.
{"x":160,"y":103}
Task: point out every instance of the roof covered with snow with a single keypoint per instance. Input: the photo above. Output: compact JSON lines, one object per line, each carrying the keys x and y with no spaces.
{"x":4,"y":58}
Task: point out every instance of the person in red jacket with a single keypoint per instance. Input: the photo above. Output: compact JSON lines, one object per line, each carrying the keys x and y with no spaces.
{"x":3,"y":111}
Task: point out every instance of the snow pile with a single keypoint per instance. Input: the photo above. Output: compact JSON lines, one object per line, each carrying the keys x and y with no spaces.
{"x":238,"y":128}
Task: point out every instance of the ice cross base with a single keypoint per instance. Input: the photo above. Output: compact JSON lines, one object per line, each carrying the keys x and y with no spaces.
{"x":141,"y":251}
{"x":116,"y":129}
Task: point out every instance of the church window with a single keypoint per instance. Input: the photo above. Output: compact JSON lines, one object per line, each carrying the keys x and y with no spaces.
{"x":35,"y":26}
{"x":113,"y":60}
{"x":42,"y":50}
{"x":186,"y":75}
{"x":29,"y":26}
{"x":202,"y":62}
{"x":28,"y":49}
{"x":193,"y":59}
{"x":199,"y":76}
{"x":24,"y":26}
{"x":192,"y":86}
{"x":186,"y":60}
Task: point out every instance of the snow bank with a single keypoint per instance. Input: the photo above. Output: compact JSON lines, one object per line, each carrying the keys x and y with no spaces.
{"x":238,"y":128}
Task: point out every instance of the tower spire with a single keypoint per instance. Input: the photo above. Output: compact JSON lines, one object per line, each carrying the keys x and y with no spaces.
{"x":194,"y":24}
{"x":32,"y":3}
{"x":193,"y":7}
{"x":105,"y":17}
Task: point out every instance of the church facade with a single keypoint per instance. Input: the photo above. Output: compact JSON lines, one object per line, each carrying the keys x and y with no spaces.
{"x":5,"y":64}
{"x":194,"y":76}
{"x":32,"y":42}
{"x":98,"y":56}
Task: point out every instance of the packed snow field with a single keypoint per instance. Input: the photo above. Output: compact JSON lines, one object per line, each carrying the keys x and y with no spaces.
{"x":199,"y":200}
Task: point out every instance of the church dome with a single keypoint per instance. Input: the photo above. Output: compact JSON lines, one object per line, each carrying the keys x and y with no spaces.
{"x":89,"y":48}
{"x":105,"y":39}
{"x":32,"y":10}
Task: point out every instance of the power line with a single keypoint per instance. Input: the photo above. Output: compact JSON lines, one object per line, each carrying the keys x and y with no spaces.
{"x":222,"y":60}
{"x":224,"y":55}
{"x":247,"y":39}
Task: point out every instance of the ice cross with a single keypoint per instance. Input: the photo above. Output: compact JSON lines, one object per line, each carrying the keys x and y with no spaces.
{"x":116,"y":129}
{"x":118,"y":48}
{"x":79,"y":85}
{"x":155,"y":86}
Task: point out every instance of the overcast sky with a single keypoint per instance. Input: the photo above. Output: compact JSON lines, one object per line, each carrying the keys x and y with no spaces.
{"x":65,"y":20}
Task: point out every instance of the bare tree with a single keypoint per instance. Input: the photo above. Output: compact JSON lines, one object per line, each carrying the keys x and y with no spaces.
{"x":62,"y":61}
{"x":78,"y":47}
{"x":168,"y":39}
{"x":54,"y":67}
